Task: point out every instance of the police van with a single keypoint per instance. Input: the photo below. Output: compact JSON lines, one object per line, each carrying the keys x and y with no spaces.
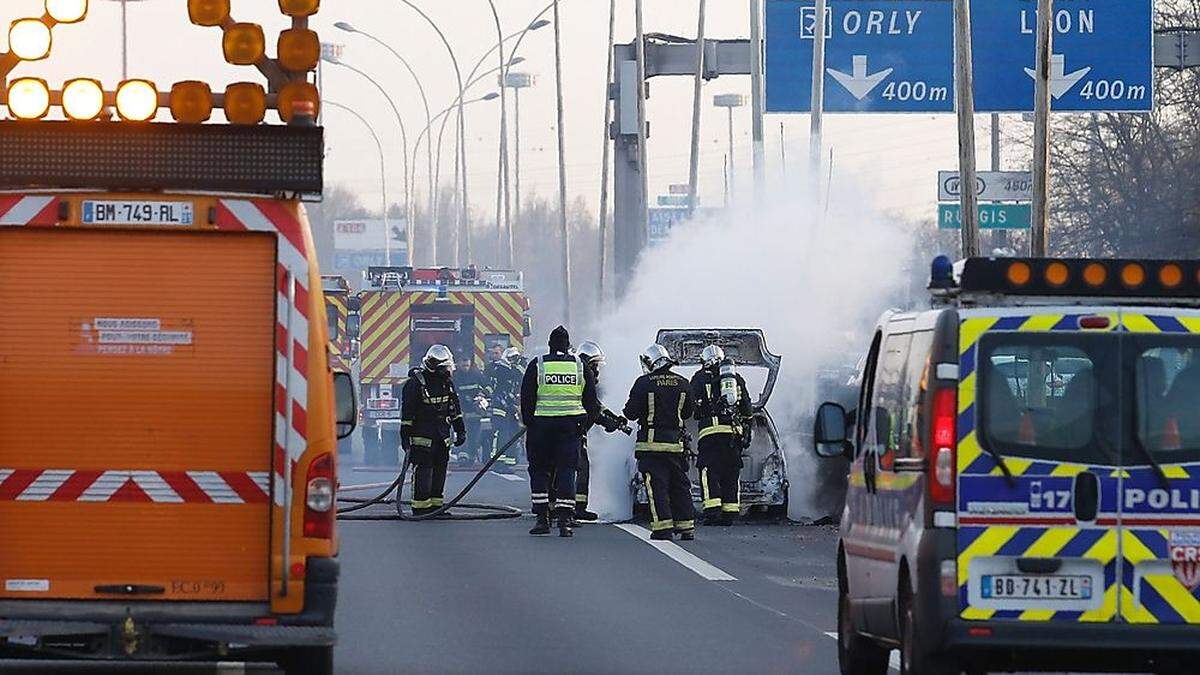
{"x":1025,"y":473}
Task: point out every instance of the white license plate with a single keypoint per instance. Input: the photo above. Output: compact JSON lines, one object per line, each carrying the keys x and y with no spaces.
{"x":1036,"y":587}
{"x":120,"y":212}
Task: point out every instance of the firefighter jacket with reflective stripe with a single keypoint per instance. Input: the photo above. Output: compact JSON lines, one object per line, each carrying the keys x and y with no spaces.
{"x":503,"y":389}
{"x":659,"y":403}
{"x":429,"y":410}
{"x":557,"y":386}
{"x":714,"y":414}
{"x":470,"y":385}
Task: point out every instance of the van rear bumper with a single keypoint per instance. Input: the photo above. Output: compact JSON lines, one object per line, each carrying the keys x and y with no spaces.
{"x":1086,"y":646}
{"x":170,"y":630}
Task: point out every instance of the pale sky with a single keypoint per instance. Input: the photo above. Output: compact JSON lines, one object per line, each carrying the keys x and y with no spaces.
{"x":893,"y":158}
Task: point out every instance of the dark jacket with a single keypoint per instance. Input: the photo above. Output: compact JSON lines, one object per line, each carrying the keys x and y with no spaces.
{"x":713,"y":415}
{"x":429,"y":410}
{"x":470,"y":384}
{"x":529,"y":388}
{"x":503,"y":389}
{"x":659,"y":403}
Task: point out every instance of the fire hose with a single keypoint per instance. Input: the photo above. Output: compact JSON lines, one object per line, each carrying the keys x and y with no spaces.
{"x":493,"y":512}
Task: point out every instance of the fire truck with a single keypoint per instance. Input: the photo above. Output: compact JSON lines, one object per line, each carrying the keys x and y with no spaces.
{"x":161,"y":278}
{"x":341,"y":308}
{"x":404,"y":311}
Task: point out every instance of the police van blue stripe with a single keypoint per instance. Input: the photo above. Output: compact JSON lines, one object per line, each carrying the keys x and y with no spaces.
{"x":1167,"y":324}
{"x":1021,"y":541}
{"x":1081,"y":543}
{"x":1009,"y":323}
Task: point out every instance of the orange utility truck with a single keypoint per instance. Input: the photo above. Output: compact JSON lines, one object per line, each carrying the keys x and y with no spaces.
{"x":168,"y":414}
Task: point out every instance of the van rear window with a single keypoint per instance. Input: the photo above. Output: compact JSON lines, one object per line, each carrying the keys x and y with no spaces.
{"x":1046,"y":396}
{"x":1168,"y":399}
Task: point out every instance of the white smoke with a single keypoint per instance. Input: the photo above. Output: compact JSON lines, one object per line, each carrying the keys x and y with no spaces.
{"x":813,"y":285}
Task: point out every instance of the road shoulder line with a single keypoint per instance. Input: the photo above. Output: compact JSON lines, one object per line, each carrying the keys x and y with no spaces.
{"x":679,"y":554}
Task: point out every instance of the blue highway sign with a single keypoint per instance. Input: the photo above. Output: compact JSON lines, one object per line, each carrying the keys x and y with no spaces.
{"x":881,"y":55}
{"x":1103,"y":55}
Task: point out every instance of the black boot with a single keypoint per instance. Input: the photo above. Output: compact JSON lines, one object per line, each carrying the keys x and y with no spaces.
{"x":712,"y":517}
{"x":542,"y":526}
{"x":727,"y":518}
{"x":662,"y":535}
{"x":585,"y":516}
{"x":564,"y":526}
{"x":687,"y":535}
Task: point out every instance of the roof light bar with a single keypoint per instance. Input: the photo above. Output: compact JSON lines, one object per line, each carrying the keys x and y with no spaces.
{"x":1081,"y":277}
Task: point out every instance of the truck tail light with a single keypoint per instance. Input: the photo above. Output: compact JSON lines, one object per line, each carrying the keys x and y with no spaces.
{"x":944,"y":439}
{"x":319,"y":498}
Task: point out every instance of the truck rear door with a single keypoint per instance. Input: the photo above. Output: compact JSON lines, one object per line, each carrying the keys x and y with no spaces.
{"x":1160,"y":508}
{"x":136,"y":410}
{"x":1042,"y":393}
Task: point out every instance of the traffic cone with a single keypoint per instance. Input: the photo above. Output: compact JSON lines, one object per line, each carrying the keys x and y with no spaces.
{"x":1171,"y":438}
{"x":1027,"y":435}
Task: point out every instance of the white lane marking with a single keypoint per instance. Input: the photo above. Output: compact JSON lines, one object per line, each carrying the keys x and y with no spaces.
{"x":231,"y":668}
{"x":510,"y":477}
{"x":679,"y":555}
{"x":893,"y":660}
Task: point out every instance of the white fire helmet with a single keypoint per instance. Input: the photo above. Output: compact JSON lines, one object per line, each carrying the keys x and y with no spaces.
{"x":591,"y":353}
{"x":654,"y":357}
{"x":712,"y":356}
{"x":439,"y":357}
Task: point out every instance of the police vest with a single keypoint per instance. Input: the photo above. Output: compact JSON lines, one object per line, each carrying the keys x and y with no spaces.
{"x":560,"y":388}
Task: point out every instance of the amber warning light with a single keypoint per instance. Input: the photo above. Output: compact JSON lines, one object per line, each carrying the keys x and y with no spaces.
{"x":1082,"y":278}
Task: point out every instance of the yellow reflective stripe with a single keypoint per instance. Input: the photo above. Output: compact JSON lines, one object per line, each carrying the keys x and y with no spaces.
{"x":437,"y":501}
{"x":659,"y":525}
{"x":1138,"y":323}
{"x":421,"y":442}
{"x":968,"y":451}
{"x":655,"y":523}
{"x":1192,"y":323}
{"x":581,"y":499}
{"x":559,"y":399}
{"x":685,"y":525}
{"x":731,"y":508}
{"x":713,"y":430}
{"x":1175,"y":471}
{"x":1040,"y":323}
{"x":650,"y":417}
{"x":1068,"y":470}
{"x":658,"y":447}
{"x":966,"y":393}
{"x":1104,"y":550}
{"x":712,"y":503}
{"x":406,"y":423}
{"x":704,"y":487}
{"x":422,"y":503}
{"x":679,"y":412}
{"x":970,"y":330}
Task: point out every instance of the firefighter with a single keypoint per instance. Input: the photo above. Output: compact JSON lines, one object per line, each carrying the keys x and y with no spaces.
{"x":429,"y":412}
{"x":593,"y":359}
{"x":723,"y":414}
{"x":504,"y":393}
{"x":659,"y":402}
{"x":558,"y":404}
{"x":471,"y":389}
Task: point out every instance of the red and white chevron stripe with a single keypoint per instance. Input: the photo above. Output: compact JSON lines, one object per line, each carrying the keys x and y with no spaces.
{"x":41,"y":210}
{"x":134,"y":486}
{"x":270,"y":216}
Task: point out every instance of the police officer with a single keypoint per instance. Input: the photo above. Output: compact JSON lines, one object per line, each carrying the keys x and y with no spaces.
{"x":659,"y":402}
{"x":558,"y":404}
{"x":723,"y":413}
{"x":593,"y":359}
{"x":471,"y":387}
{"x":430,"y":410}
{"x":503,"y":390}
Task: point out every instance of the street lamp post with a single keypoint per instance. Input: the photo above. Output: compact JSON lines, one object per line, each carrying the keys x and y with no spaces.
{"x":387,"y":230}
{"x":403,"y":141}
{"x":433,"y":224}
{"x":517,"y":82}
{"x":730,"y":102}
{"x":125,"y":37}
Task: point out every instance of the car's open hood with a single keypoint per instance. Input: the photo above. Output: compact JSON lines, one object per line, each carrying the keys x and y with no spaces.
{"x":746,"y":346}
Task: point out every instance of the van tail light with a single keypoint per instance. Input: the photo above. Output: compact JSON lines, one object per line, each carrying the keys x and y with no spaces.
{"x":944,"y":438}
{"x":319,"y":498}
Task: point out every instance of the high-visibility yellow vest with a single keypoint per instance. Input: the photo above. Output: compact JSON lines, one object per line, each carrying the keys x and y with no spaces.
{"x":560,"y":388}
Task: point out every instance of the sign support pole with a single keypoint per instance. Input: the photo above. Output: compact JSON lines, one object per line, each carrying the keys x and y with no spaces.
{"x":756,"y":98}
{"x":694,"y":165}
{"x":818,"y":97}
{"x":966,"y":129}
{"x":1001,"y":240}
{"x":1041,"y":132}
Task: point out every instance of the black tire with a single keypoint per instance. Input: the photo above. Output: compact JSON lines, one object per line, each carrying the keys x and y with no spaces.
{"x":307,"y":661}
{"x":916,"y":658}
{"x":857,"y":655}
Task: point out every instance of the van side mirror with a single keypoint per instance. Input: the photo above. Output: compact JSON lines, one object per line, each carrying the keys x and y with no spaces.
{"x":829,"y":432}
{"x":353,"y":325}
{"x":346,"y":403}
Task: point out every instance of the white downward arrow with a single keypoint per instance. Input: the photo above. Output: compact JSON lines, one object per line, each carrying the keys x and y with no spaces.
{"x":1060,"y":81}
{"x":859,"y":84}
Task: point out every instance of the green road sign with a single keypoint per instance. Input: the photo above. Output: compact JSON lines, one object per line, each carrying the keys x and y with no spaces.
{"x":991,"y":216}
